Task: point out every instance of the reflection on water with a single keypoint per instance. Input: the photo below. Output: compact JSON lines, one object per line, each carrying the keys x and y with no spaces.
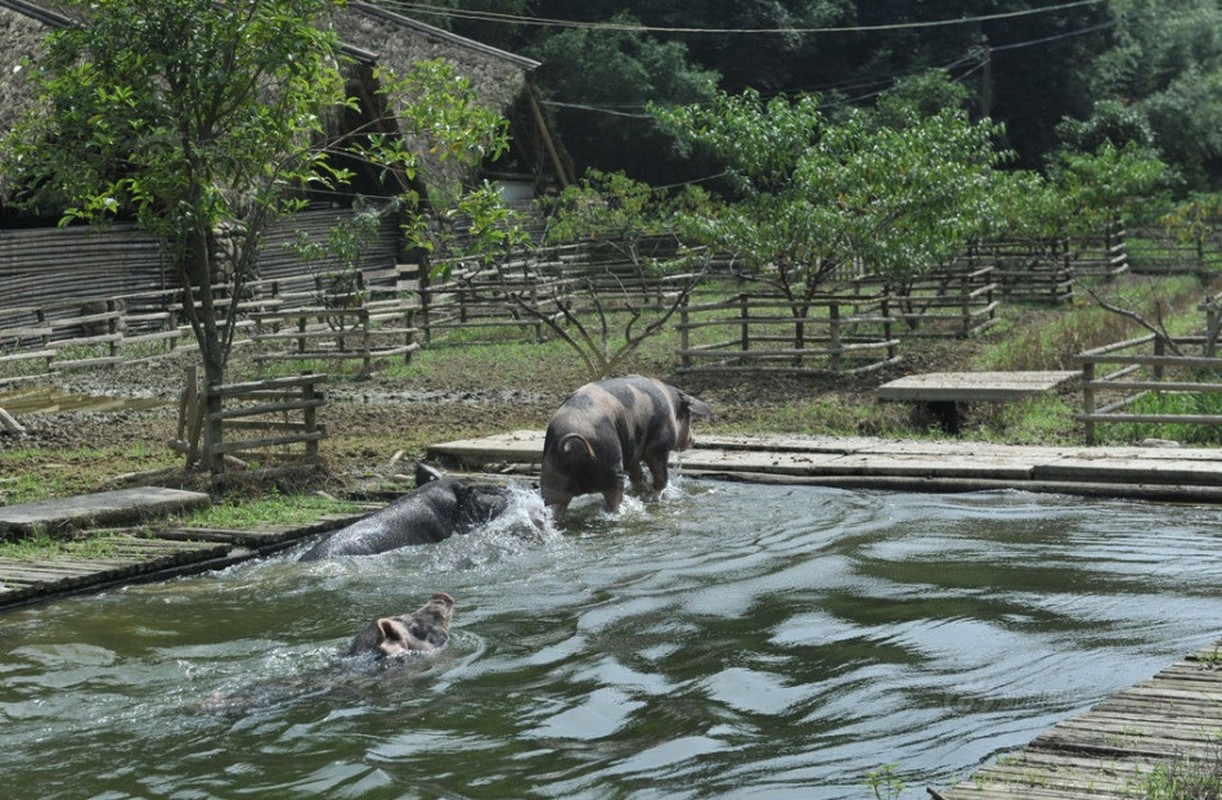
{"x":45,"y":400}
{"x":745,"y":641}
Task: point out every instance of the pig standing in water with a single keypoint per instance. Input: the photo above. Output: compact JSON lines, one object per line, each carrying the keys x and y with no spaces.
{"x":606,"y":429}
{"x":424,"y":631}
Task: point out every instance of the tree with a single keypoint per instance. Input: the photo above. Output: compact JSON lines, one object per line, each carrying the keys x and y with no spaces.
{"x":602,"y":74}
{"x":186,"y":115}
{"x":629,"y":217}
{"x":810,"y":197}
{"x":1165,"y":63}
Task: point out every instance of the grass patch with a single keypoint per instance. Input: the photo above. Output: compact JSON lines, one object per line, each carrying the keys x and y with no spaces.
{"x":827,"y":415}
{"x":1184,"y":778}
{"x":1169,"y":403}
{"x":41,"y":473}
{"x":47,"y":546}
{"x":1048,"y":339}
{"x":272,"y":509}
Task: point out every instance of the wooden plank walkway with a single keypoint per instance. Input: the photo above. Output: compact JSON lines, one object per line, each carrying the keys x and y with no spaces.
{"x":1151,"y":473}
{"x":122,"y":556}
{"x":1107,"y":751}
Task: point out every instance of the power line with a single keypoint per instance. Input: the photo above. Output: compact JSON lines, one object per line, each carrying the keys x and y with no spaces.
{"x":613,"y":109}
{"x":516,"y":19}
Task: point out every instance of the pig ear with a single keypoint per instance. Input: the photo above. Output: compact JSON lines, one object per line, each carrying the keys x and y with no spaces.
{"x":426,"y":474}
{"x":695,"y":406}
{"x":391,"y":630}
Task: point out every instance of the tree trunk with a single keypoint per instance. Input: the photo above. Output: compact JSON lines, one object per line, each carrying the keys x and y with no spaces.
{"x":195,"y":274}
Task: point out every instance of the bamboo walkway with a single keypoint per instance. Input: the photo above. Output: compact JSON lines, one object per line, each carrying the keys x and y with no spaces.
{"x":1108,"y":751}
{"x":1148,"y":473}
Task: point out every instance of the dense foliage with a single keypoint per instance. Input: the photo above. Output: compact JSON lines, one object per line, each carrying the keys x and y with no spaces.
{"x":1159,"y":60}
{"x":197,"y":118}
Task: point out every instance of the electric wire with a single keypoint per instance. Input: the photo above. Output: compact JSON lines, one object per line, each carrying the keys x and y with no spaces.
{"x":518,"y":19}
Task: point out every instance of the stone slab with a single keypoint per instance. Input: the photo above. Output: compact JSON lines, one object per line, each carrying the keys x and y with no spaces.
{"x":934,"y":387}
{"x":117,"y":507}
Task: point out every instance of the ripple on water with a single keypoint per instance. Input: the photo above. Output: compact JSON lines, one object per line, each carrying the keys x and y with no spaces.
{"x":732,"y":640}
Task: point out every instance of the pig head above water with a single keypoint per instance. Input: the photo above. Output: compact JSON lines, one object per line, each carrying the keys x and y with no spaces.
{"x":424,"y":631}
{"x":606,"y":429}
{"x":435,"y":510}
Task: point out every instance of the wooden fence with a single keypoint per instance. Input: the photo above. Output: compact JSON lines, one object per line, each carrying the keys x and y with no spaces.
{"x":1045,"y":270}
{"x":268,"y":408}
{"x":1118,"y":376}
{"x":770,"y":334}
{"x":45,"y":267}
{"x":954,"y":300}
{"x":491,"y":303}
{"x":368,"y":323}
{"x":366,"y":331}
{"x":1155,"y":250}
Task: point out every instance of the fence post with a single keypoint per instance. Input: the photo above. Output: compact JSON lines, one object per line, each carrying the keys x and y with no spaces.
{"x":422,"y":279}
{"x":685,"y":336}
{"x":534,"y":304}
{"x":885,"y":308}
{"x":833,"y":313}
{"x":744,"y":315}
{"x":363,"y":321}
{"x":308,"y":394}
{"x":259,"y":345}
{"x":965,"y":292}
{"x":409,"y":338}
{"x":115,"y":326}
{"x":1160,"y":349}
{"x":1088,"y":399}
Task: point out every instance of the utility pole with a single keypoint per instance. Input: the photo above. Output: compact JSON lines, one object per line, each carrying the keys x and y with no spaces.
{"x":983,"y":56}
{"x":986,"y":82}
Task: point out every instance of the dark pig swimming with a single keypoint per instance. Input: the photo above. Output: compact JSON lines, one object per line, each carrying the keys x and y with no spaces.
{"x":438,"y":508}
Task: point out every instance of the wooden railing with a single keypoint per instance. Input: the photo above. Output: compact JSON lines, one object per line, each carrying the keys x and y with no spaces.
{"x":761,"y":334}
{"x":950,"y":301}
{"x":508,"y":299}
{"x":1117,"y":376}
{"x":269,"y":407}
{"x":367,"y":325}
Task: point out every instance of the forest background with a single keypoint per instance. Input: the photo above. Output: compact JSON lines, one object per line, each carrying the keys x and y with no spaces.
{"x":1057,"y":74}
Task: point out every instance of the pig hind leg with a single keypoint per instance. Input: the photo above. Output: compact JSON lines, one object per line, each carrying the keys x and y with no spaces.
{"x":612,"y":497}
{"x":658,"y":468}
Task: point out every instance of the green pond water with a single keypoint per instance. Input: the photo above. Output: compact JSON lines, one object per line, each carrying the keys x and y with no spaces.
{"x":732,"y":641}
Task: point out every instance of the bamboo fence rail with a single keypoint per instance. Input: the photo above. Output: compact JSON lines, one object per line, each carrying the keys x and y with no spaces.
{"x":1117,"y":376}
{"x":268,"y":407}
{"x":846,"y":335}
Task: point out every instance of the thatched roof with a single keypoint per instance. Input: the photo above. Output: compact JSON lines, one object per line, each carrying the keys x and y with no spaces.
{"x":23,"y":26}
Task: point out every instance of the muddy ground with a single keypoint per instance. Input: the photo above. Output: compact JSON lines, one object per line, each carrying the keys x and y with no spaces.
{"x":378,"y":427}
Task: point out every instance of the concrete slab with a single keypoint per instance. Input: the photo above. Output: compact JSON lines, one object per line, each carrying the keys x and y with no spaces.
{"x":1163,"y":473}
{"x":117,"y":507}
{"x":962,"y":387}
